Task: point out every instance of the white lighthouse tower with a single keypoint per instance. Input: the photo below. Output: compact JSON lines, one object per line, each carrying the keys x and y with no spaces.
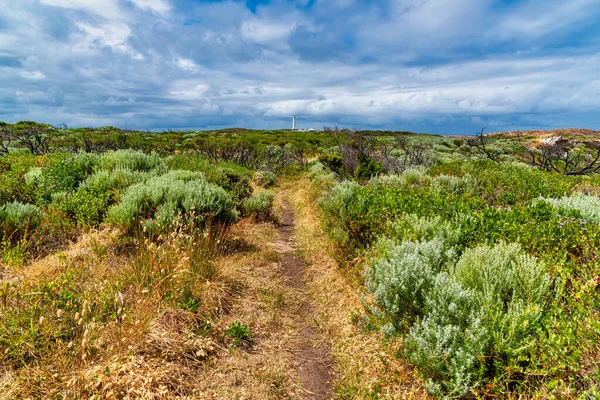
{"x":294,"y":122}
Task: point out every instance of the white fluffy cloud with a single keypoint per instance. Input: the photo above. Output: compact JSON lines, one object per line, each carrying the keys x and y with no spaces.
{"x":104,"y":8}
{"x":158,"y":6}
{"x":437,"y":65}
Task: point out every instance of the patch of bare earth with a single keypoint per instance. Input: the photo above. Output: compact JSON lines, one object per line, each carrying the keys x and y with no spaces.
{"x":311,"y":359}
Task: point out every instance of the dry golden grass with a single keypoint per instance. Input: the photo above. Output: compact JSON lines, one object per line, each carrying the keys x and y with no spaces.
{"x":146,"y":349}
{"x":86,"y":248}
{"x":365,"y":362}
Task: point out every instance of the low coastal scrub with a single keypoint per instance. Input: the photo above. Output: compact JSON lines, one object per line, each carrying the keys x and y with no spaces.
{"x":585,"y":206}
{"x":260,"y":205}
{"x":479,"y":269}
{"x":477,"y":266}
{"x":17,"y":220}
{"x":179,"y":197}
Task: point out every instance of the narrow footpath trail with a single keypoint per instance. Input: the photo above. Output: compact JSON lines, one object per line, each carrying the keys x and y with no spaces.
{"x":311,"y":355}
{"x":366,"y":364}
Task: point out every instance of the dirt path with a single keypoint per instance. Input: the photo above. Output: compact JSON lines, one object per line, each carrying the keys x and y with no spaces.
{"x":311,"y":357}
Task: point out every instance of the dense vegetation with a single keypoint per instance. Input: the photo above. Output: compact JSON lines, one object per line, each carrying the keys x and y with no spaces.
{"x":480,"y":253}
{"x":486,"y":268}
{"x":156,"y":209}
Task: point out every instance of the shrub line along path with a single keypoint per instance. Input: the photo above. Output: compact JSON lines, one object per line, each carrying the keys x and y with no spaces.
{"x":311,"y":357}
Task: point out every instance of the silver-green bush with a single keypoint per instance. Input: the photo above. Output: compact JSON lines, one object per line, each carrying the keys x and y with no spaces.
{"x":447,"y":345}
{"x":17,"y":219}
{"x":488,"y":304}
{"x":511,"y":286}
{"x":588,"y":206}
{"x":34,"y":176}
{"x":264,"y":178}
{"x":132,"y":160}
{"x":454,"y":184}
{"x":412,"y":227}
{"x":86,"y":162}
{"x":391,"y":180}
{"x":401,"y":275}
{"x":315,"y":169}
{"x":341,"y":194}
{"x":176,"y":197}
{"x":321,"y":177}
{"x":410,"y":176}
{"x":416,"y":176}
{"x":260,"y":205}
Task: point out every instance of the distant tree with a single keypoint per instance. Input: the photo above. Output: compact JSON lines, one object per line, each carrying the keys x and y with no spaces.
{"x":5,"y":137}
{"x":567,"y":157}
{"x":374,"y":155}
{"x":299,"y":152}
{"x":37,"y":138}
{"x":480,"y":146}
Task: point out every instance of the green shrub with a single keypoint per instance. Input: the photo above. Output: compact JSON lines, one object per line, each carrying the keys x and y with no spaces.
{"x":336,"y":205}
{"x":86,"y":207}
{"x":176,"y":197}
{"x":512,"y":287}
{"x":237,"y":183}
{"x":415,"y":228}
{"x":400,"y":277}
{"x":89,"y":204}
{"x":587,"y":206}
{"x":260,"y":205}
{"x":506,"y":184}
{"x":357,"y":215}
{"x":334,"y":162}
{"x":447,"y":345}
{"x":367,"y":168}
{"x":17,"y":219}
{"x":264,"y":178}
{"x":64,"y":175}
{"x":16,"y":169}
{"x":132,"y":160}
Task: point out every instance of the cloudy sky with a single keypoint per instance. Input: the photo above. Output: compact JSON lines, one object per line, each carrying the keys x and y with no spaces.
{"x":439,"y":66}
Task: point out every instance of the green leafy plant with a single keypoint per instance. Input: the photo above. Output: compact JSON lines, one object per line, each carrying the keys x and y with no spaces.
{"x":260,"y":205}
{"x":239,"y":332}
{"x":367,"y":168}
{"x":18,"y":220}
